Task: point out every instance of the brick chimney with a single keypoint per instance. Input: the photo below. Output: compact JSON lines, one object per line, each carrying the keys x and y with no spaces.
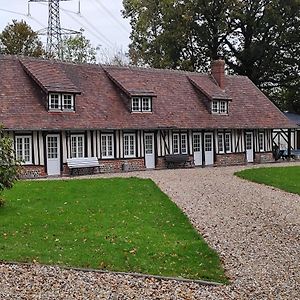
{"x":218,"y":72}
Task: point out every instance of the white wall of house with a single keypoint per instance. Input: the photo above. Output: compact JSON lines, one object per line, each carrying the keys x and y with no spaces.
{"x":280,"y":137}
{"x":163,"y":142}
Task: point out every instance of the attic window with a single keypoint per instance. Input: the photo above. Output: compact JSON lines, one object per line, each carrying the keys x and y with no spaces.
{"x":61,"y":102}
{"x":219,"y":107}
{"x":141,"y":104}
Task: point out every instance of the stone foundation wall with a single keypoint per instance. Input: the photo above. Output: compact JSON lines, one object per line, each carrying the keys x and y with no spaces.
{"x":264,"y":157}
{"x":230,"y":159}
{"x":28,"y":172}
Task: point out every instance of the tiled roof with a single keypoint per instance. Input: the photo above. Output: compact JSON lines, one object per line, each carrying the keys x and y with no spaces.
{"x":207,"y":85}
{"x":137,"y":87}
{"x":101,"y":106}
{"x":51,"y":77}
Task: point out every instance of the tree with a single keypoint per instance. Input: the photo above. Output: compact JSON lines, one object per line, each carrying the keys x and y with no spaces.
{"x":257,"y":38}
{"x":19,"y":39}
{"x":9,"y":165}
{"x":78,"y":49}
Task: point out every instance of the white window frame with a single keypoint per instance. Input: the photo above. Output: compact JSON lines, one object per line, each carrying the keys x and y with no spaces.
{"x":64,"y":100}
{"x":129,"y":138}
{"x":149,"y":104}
{"x":221,"y":145}
{"x":176,"y":142}
{"x":137,"y":104}
{"x":209,"y":138}
{"x":183,"y":137}
{"x":223,"y":110}
{"x":51,"y":108}
{"x":76,"y":155}
{"x":105,"y":146}
{"x":261,"y":141}
{"x":136,"y":108}
{"x":61,"y":102}
{"x":227,"y":147}
{"x":216,"y":106}
{"x":22,"y":157}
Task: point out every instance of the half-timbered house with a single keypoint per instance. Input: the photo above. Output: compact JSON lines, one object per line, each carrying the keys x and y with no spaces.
{"x":132,"y":118}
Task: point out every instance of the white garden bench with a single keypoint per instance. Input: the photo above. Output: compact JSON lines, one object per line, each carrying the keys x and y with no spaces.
{"x":82,"y":162}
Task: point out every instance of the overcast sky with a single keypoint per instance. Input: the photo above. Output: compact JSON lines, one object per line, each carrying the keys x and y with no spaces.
{"x":101,"y":19}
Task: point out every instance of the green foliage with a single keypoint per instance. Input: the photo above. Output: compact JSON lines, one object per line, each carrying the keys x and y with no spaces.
{"x":9,"y":166}
{"x":257,"y":38}
{"x":19,"y":39}
{"x":285,"y":178}
{"x":113,"y":224}
{"x":78,"y":49}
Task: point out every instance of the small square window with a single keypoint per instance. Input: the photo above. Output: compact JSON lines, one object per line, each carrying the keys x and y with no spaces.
{"x":146,"y":104}
{"x":214,"y":107}
{"x":136,"y":104}
{"x":223,"y":107}
{"x":67,"y":102}
{"x":54,"y":101}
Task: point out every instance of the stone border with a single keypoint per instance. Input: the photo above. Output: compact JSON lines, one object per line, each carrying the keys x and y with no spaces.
{"x":197,"y":281}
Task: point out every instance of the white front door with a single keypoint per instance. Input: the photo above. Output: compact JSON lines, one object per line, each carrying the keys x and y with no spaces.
{"x":149,"y":151}
{"x":197,"y":149}
{"x":249,"y":147}
{"x":53,"y":154}
{"x":208,"y":148}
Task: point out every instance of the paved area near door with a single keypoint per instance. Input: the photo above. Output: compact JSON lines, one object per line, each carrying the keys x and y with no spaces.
{"x":254,"y":228}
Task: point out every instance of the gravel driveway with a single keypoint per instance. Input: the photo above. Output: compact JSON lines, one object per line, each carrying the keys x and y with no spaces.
{"x":254,"y":228}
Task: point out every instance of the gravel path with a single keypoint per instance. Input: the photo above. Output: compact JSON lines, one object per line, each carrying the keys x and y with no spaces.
{"x":254,"y":228}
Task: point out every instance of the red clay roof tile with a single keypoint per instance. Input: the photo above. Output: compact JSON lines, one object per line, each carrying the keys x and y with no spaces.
{"x":100,"y":105}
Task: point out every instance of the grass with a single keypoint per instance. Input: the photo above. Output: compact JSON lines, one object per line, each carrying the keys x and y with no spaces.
{"x":113,"y":224}
{"x":285,"y":178}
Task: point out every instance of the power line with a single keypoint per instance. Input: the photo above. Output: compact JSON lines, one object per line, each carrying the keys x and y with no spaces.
{"x":112,"y":16}
{"x":95,"y":32}
{"x":24,"y":15}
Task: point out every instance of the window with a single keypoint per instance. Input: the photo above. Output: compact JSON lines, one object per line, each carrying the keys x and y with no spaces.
{"x":141,"y":104}
{"x":77,"y":146}
{"x":223,"y":107}
{"x":146,"y":104}
{"x":107,"y":146}
{"x":248,"y":141}
{"x":221,"y":142}
{"x":61,"y":102}
{"x":23,"y":149}
{"x":175,"y":143}
{"x":208,"y":142}
{"x":129,"y":145}
{"x":180,"y":143}
{"x":184,"y":143}
{"x":228,"y":142}
{"x":214,"y":107}
{"x":54,"y":102}
{"x":136,"y":104}
{"x":67,"y":102}
{"x":219,"y":107}
{"x":261,"y":141}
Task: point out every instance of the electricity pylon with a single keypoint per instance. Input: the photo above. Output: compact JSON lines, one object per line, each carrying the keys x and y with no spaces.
{"x":54,"y":31}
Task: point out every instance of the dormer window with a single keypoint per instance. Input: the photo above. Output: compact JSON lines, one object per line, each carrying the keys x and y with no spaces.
{"x":219,"y":107}
{"x":141,"y":104}
{"x":61,"y":102}
{"x":54,"y":101}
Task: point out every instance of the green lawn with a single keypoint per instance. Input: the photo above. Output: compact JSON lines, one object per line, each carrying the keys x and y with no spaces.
{"x":285,"y":178}
{"x":113,"y":224}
